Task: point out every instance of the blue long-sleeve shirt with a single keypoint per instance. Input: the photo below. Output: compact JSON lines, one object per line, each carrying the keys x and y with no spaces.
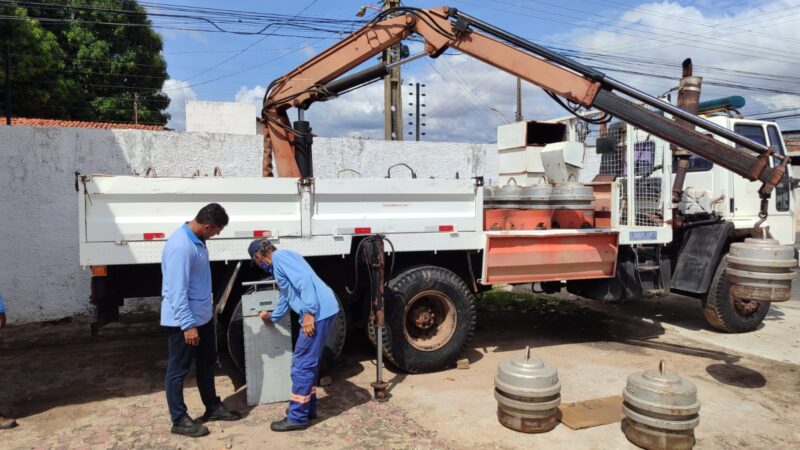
{"x":300,"y":288}
{"x":186,"y":285}
{"x":2,"y":304}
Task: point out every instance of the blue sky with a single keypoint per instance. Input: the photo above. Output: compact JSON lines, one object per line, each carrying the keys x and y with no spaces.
{"x":731,"y":43}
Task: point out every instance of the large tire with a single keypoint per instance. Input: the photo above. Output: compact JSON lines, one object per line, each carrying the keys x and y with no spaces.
{"x":430,"y":319}
{"x":728,"y":314}
{"x":333,"y":345}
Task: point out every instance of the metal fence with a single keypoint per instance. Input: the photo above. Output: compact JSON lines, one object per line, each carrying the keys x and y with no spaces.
{"x":644,"y":176}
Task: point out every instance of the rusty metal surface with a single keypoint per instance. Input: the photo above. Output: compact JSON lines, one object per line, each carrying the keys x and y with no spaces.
{"x":527,"y":425}
{"x":654,"y":439}
{"x":738,"y":160}
{"x":429,"y":320}
{"x":760,"y":270}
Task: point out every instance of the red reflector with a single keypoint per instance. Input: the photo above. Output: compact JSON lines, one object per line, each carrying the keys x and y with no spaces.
{"x":362,"y":230}
{"x":446,"y":228}
{"x":151,"y":236}
{"x":261,"y":233}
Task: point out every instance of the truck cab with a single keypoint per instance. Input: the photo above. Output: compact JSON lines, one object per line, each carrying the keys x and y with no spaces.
{"x":733,"y":197}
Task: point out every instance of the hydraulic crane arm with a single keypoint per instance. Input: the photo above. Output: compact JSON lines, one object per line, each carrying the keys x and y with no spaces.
{"x":444,"y":28}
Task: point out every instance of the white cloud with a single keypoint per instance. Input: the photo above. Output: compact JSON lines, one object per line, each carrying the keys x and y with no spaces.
{"x":761,"y":39}
{"x":309,"y":50}
{"x":254,"y":96}
{"x":179,"y":93}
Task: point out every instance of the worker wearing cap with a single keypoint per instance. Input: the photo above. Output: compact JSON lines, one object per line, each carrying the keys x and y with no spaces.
{"x":310,"y":298}
{"x":5,"y":422}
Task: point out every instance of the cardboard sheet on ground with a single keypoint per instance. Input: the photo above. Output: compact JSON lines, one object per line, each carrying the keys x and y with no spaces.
{"x":592,"y":413}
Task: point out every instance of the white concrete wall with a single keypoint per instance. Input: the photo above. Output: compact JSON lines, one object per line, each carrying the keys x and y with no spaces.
{"x":220,"y":117}
{"x":39,"y":272}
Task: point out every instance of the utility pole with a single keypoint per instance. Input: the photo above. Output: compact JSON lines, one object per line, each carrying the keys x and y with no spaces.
{"x":8,"y":84}
{"x":417,"y":106}
{"x":518,"y":115}
{"x":392,"y":99}
{"x":136,"y":108}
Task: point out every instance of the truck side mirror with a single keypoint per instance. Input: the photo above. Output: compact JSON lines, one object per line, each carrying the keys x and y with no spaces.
{"x":605,"y":146}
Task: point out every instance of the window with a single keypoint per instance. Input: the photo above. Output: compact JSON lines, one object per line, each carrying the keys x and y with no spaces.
{"x":782,"y":189}
{"x":753,"y":132}
{"x":696,"y":163}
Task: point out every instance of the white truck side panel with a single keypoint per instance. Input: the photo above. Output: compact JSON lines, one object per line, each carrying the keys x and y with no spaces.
{"x":392,"y":205}
{"x":123,"y":208}
{"x":117,"y":211}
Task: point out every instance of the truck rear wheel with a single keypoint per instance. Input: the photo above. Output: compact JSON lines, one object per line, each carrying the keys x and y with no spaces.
{"x":430,"y":319}
{"x":729,"y":314}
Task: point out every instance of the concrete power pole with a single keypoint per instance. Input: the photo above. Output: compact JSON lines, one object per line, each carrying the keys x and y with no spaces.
{"x":518,"y":115}
{"x":392,"y":98}
{"x":136,"y":108}
{"x":7,"y":104}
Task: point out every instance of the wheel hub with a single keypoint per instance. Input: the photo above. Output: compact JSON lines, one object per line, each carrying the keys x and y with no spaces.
{"x":423,"y":317}
{"x":745,"y":307}
{"x":429,"y":320}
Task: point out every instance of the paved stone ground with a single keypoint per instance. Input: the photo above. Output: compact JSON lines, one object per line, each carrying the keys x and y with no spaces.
{"x":108,"y":393}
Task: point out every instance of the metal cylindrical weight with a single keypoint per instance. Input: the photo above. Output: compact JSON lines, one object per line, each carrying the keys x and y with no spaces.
{"x":761,"y":270}
{"x":528,"y":393}
{"x":536,"y":196}
{"x":661,"y":410}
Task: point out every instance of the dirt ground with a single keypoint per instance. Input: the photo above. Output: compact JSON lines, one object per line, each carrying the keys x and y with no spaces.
{"x":73,"y":392}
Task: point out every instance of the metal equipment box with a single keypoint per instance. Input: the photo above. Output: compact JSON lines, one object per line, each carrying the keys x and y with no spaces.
{"x":267,"y":348}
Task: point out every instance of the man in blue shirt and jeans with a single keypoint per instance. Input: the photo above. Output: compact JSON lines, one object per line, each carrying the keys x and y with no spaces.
{"x":187,"y":312}
{"x":5,"y":422}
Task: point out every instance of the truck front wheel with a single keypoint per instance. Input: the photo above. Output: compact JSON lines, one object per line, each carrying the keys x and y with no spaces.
{"x":729,"y":314}
{"x":430,"y":319}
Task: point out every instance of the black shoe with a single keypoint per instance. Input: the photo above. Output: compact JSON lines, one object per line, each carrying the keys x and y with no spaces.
{"x":6,"y":423}
{"x":221,"y":413}
{"x":188,"y":427}
{"x":286,"y":425}
{"x":310,"y":416}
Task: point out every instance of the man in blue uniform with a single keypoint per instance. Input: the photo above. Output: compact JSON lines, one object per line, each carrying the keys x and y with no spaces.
{"x":5,"y":422}
{"x":308,"y":296}
{"x":186,"y":311}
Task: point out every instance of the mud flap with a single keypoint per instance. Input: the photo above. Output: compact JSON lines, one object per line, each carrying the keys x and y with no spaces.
{"x":624,"y":285}
{"x":698,"y":257}
{"x":106,"y":300}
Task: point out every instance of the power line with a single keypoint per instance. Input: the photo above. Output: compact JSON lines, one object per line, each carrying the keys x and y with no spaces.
{"x":251,"y":45}
{"x":651,"y":36}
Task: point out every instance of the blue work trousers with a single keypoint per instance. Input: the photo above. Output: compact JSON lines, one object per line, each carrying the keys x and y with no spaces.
{"x":180,"y":360}
{"x":305,"y":371}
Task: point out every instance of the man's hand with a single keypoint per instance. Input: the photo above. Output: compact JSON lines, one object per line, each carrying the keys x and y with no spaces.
{"x":266,"y":316}
{"x":308,"y":324}
{"x":192,"y":337}
{"x":2,"y":320}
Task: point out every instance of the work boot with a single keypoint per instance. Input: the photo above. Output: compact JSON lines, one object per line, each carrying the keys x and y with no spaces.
{"x":188,"y":427}
{"x":7,"y":422}
{"x":287,"y":425}
{"x":221,"y":412}
{"x":311,"y":416}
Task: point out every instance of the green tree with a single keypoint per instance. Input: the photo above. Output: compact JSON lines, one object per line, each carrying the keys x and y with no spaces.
{"x":86,"y":60}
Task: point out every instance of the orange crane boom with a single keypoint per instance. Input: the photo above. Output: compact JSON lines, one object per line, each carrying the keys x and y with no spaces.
{"x":445,"y":27}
